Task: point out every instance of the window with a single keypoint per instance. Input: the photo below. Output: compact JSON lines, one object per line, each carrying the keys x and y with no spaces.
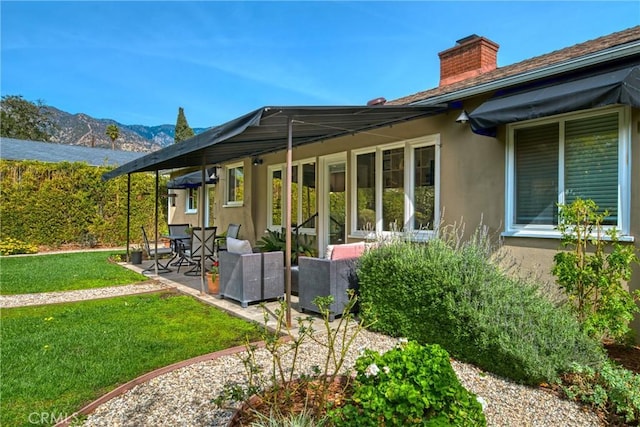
{"x":558,"y":160}
{"x":396,"y":188}
{"x":235,"y":185}
{"x":303,"y":195}
{"x":192,"y":201}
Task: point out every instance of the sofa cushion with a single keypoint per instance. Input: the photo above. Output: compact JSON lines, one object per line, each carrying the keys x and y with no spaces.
{"x":236,"y":246}
{"x":348,"y":250}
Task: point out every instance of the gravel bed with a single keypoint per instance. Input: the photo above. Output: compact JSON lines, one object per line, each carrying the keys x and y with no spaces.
{"x":7,"y":301}
{"x":183,"y":397}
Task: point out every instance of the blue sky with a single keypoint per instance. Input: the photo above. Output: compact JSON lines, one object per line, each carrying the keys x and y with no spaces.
{"x":137,"y":62}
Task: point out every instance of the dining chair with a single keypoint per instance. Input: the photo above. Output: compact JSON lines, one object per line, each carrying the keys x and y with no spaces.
{"x":232,"y":231}
{"x":194,"y":253}
{"x":179,"y":234}
{"x":153,"y":254}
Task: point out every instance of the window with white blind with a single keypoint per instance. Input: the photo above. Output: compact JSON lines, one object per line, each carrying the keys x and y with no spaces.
{"x":555,"y":161}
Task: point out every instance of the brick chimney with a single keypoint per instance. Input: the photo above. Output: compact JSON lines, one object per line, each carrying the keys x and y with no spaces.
{"x":471,"y":56}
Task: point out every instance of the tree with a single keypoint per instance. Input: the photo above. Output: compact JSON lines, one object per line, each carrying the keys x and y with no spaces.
{"x":113,"y":132}
{"x":183,"y":131}
{"x":22,"y":119}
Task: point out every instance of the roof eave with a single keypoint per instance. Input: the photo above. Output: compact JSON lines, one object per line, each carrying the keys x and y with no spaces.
{"x":600,"y":57}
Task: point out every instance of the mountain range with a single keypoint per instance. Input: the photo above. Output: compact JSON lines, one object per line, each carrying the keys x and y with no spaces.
{"x":82,"y":129}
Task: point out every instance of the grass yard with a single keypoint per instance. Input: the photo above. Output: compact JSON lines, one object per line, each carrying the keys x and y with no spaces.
{"x":56,"y":359}
{"x":62,"y":272}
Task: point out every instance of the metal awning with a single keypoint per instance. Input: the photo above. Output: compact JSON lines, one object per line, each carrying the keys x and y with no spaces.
{"x":266,"y":130}
{"x":192,"y":180}
{"x":621,"y":86}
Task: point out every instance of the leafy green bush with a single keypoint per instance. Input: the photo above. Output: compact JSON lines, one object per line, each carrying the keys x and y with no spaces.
{"x":593,"y":281}
{"x":449,"y":293}
{"x":57,"y":203}
{"x":409,"y":385}
{"x":11,"y":246}
{"x":613,"y":389}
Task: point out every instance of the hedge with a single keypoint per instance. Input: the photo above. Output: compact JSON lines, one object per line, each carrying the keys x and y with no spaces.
{"x":52,"y":204}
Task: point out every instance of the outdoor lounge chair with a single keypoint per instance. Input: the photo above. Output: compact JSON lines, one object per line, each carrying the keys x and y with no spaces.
{"x":249,"y":277}
{"x":320,"y":277}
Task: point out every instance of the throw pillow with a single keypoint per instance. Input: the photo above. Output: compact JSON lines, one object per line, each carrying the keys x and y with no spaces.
{"x":236,"y":246}
{"x":348,"y":250}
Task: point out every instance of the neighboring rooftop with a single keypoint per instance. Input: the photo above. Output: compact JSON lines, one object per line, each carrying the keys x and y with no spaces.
{"x":529,"y":65}
{"x":17,"y":149}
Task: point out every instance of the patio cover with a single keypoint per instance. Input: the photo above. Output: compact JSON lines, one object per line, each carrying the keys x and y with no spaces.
{"x":265,"y":130}
{"x":192,"y":180}
{"x":621,"y":86}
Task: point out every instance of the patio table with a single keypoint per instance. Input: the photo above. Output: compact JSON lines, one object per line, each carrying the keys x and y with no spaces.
{"x":175,"y":240}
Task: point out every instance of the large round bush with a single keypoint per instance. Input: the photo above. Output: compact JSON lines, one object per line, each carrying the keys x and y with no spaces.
{"x":454,"y":296}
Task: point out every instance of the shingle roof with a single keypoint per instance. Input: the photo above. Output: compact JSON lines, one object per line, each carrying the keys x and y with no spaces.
{"x":17,"y":149}
{"x":538,"y":62}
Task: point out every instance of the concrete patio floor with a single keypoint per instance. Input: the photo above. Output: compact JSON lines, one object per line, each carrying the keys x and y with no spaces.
{"x":191,"y":285}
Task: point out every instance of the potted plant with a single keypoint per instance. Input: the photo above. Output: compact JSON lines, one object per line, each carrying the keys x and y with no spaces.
{"x":135,"y":254}
{"x":213,"y":279}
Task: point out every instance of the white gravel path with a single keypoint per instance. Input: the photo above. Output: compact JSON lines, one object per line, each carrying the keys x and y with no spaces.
{"x":183,"y":397}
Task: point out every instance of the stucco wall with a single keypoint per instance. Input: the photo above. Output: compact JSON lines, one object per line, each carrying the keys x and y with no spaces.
{"x":472,"y":185}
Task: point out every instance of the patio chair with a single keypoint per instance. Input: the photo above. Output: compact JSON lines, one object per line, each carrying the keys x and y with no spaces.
{"x":176,"y":233}
{"x":151,"y":253}
{"x":193,"y":253}
{"x":333,"y":275}
{"x":232,"y":231}
{"x":249,"y":277}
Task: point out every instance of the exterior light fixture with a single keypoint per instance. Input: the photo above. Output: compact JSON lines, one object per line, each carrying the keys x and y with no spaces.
{"x":257,"y":161}
{"x":463,"y":117}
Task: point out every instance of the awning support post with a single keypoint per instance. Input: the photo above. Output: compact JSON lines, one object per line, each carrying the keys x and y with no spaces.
{"x":287,"y":253}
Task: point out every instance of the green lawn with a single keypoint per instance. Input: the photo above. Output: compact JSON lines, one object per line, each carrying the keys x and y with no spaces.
{"x":57,"y":358}
{"x":62,"y":272}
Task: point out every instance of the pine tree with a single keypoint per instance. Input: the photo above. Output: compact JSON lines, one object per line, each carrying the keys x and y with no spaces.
{"x":183,"y":131}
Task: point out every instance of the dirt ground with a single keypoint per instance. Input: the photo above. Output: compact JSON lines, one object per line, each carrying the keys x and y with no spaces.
{"x":629,"y":357}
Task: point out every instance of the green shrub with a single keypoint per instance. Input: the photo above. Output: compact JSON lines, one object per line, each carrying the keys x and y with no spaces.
{"x":11,"y":246}
{"x":593,"y":281}
{"x":59,"y":203}
{"x":612,"y":389}
{"x":409,"y":385}
{"x":449,"y":293}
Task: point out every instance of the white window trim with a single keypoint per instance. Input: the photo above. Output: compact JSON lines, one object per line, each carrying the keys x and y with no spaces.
{"x":409,"y":212}
{"x":187,"y":208}
{"x":270,"y":170}
{"x":283,"y":168}
{"x":228,"y":168}
{"x":624,"y":174}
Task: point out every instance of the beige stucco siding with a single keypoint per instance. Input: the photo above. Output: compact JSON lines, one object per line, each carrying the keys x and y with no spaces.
{"x":472,"y":185}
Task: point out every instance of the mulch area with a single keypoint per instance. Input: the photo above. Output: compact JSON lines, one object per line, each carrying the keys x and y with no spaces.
{"x":627,"y":356}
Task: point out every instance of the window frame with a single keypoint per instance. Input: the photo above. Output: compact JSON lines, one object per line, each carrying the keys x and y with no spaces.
{"x":512,"y":229}
{"x":409,"y":146}
{"x":228,"y":169}
{"x":191,"y":202}
{"x":282,"y":167}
